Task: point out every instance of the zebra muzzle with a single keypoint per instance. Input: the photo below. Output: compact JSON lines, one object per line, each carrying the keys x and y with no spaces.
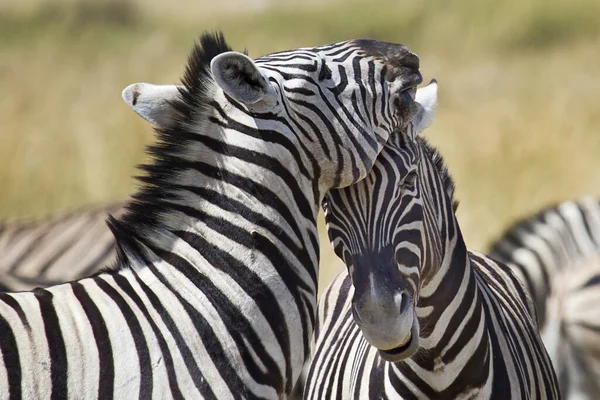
{"x":405,"y":349}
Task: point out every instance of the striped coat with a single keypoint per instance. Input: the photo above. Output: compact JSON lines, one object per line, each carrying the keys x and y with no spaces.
{"x":213,"y":294}
{"x":556,"y":253}
{"x":416,"y":314}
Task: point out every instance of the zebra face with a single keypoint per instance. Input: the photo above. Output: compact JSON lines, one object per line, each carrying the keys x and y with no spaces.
{"x":377,"y":227}
{"x":349,"y":97}
{"x":337,"y":103}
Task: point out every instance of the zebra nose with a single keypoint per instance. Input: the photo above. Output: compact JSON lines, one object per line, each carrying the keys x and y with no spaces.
{"x":409,"y":60}
{"x":382,"y":308}
{"x":386,"y":323}
{"x":403,"y":302}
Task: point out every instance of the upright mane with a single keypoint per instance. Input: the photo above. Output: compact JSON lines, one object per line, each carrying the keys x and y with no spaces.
{"x":149,"y":201}
{"x":439,"y":163}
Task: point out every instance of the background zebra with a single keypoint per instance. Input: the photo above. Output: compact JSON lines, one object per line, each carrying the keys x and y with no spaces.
{"x":214,"y":291}
{"x":417,"y":315}
{"x":556,"y":253}
{"x":46,"y":252}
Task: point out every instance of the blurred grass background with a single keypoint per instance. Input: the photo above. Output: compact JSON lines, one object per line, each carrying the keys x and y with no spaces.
{"x":518,"y":120}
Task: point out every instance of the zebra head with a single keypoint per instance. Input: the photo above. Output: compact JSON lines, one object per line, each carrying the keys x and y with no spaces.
{"x":337,"y":103}
{"x":378,"y":228}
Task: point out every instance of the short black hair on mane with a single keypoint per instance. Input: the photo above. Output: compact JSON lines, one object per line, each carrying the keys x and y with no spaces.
{"x":152,"y":198}
{"x":439,"y":163}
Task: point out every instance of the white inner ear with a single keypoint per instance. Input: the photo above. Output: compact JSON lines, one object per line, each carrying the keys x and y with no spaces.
{"x":239,"y":77}
{"x":152,"y":102}
{"x":426,"y":97}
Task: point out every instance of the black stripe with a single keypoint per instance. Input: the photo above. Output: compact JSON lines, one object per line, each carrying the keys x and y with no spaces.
{"x":29,"y":251}
{"x":271,"y":117}
{"x":10,"y":355}
{"x":181,"y":344}
{"x":371,"y":81}
{"x":58,"y":253}
{"x":92,"y":266}
{"x":101,"y":338}
{"x":501,"y":382}
{"x":129,"y":291}
{"x":236,"y":207}
{"x":263,"y":134}
{"x":11,"y":302}
{"x":141,"y":346}
{"x":56,"y":345}
{"x":237,"y":323}
{"x":285,"y":56}
{"x":300,"y":90}
{"x":263,"y":193}
{"x":277,"y":66}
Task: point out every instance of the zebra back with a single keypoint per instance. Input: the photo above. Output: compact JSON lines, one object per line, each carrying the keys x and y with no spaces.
{"x":559,"y":237}
{"x":556,"y":253}
{"x":45,"y":252}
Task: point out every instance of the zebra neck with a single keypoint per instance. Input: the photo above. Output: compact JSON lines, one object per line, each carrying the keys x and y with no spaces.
{"x":231,"y":186}
{"x":234,"y":221}
{"x":447,"y":284}
{"x":450,"y":299}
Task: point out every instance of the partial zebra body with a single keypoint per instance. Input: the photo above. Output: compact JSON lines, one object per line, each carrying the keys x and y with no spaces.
{"x":213,"y":294}
{"x":556,"y":253}
{"x":417,"y":315}
{"x":468,"y":361}
{"x":41,"y":253}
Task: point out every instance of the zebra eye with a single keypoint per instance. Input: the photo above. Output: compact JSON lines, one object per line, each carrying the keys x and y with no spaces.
{"x":409,"y":181}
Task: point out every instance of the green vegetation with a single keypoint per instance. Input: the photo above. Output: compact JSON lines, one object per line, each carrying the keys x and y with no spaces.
{"x":518,"y":121}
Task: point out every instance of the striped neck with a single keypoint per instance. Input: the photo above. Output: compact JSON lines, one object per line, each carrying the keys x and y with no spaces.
{"x":232,"y":216}
{"x":448,"y":283}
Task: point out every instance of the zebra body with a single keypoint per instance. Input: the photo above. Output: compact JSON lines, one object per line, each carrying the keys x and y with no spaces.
{"x":556,"y":253}
{"x":417,"y":315}
{"x":47,"y":252}
{"x":214,"y":291}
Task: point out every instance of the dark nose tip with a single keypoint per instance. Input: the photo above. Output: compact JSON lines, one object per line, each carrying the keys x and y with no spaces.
{"x":409,"y":60}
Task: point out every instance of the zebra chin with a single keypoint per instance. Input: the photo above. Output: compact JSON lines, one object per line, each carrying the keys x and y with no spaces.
{"x":396,"y":337}
{"x":409,"y":346}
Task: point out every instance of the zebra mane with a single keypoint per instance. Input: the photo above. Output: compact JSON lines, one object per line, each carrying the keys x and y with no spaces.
{"x":152,"y":199}
{"x":438,"y":162}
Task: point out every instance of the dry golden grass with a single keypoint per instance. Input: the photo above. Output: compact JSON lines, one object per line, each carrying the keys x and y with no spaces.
{"x":518,"y":114}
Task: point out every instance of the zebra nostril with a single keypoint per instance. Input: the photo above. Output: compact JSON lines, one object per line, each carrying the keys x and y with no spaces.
{"x":404,"y":302}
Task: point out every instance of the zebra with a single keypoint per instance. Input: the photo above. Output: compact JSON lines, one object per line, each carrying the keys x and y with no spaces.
{"x":416,"y":314}
{"x":41,"y":253}
{"x":556,"y":253}
{"x":213,"y":293}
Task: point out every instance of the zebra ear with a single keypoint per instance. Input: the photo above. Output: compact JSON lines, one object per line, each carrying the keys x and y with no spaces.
{"x":152,"y":102}
{"x":240,"y":78}
{"x":426,"y":98}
